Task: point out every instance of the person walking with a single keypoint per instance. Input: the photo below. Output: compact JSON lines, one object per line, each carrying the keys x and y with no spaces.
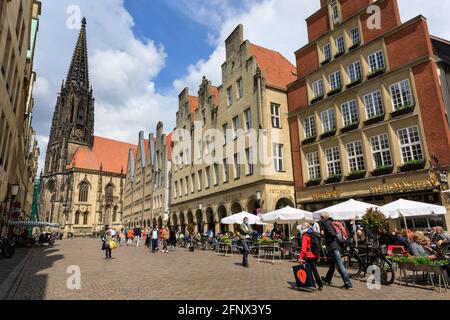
{"x":333,"y":241}
{"x":246,"y":232}
{"x":137,"y":235}
{"x":154,"y":238}
{"x":106,"y":244}
{"x":165,"y":239}
{"x":310,"y":252}
{"x":122,"y":237}
{"x":130,"y":236}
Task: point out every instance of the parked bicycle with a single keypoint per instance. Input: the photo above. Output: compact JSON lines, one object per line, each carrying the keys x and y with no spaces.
{"x":357,"y":261}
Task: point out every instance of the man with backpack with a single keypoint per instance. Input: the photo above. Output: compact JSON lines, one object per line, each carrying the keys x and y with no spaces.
{"x":335,"y":237}
{"x":310,"y":252}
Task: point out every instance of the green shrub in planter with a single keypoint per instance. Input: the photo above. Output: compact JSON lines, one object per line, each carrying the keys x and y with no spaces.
{"x":309,"y":140}
{"x":375,"y":73}
{"x":354,"y":83}
{"x":383,"y":170}
{"x":334,"y":92}
{"x":317,"y":99}
{"x":354,"y":46}
{"x":334,"y":178}
{"x":355,"y":175}
{"x":313,"y":182}
{"x":324,"y":62}
{"x":374,"y":120}
{"x":350,"y":127}
{"x":328,"y":134}
{"x":405,"y":109}
{"x":412,"y":166}
{"x":375,"y":221}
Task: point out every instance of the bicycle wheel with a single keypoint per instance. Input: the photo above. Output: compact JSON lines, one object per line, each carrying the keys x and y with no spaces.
{"x":353,"y":265}
{"x":386,"y":270}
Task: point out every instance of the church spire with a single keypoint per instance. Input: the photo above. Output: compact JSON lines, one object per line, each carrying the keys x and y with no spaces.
{"x":79,"y":70}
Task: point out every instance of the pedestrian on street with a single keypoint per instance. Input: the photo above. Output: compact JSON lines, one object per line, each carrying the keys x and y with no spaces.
{"x":310,"y":251}
{"x":122,"y":237}
{"x":333,"y":241}
{"x":130,"y":236}
{"x":246,"y":232}
{"x":137,"y":235}
{"x":154,"y":237}
{"x":165,"y":239}
{"x":106,"y":238}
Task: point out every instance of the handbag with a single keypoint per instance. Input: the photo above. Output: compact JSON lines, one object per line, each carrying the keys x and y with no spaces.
{"x":112,"y":244}
{"x":303,"y":276}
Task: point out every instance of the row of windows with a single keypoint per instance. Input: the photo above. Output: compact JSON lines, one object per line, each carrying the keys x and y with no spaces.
{"x":408,"y":139}
{"x":83,"y":192}
{"x":158,"y":201}
{"x":354,"y":71}
{"x":5,"y":142}
{"x":239,"y":92}
{"x":401,"y":97}
{"x":340,"y":44}
{"x":195,"y":181}
{"x":275,"y":113}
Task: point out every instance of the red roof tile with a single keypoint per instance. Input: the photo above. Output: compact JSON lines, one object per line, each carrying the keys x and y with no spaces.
{"x":278,"y":71}
{"x":112,"y":155}
{"x":194,"y":103}
{"x":169,"y":146}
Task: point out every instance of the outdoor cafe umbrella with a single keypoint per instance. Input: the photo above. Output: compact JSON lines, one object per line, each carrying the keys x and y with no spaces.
{"x":238,"y":218}
{"x":287,"y":215}
{"x":407,"y":208}
{"x":349,"y":210}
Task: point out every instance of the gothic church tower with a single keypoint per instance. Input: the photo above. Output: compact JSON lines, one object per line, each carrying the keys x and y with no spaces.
{"x":73,"y":118}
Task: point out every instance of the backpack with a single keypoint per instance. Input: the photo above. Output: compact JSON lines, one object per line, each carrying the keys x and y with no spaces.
{"x":316,"y":242}
{"x":341,"y":232}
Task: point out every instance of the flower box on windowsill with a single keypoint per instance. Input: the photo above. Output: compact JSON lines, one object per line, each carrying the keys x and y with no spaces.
{"x":376,"y":73}
{"x":317,"y":99}
{"x":356,"y":175}
{"x":382,"y":171}
{"x":334,"y":179}
{"x":328,"y":134}
{"x":354,"y":83}
{"x":405,"y":109}
{"x":309,"y":140}
{"x":313,"y":183}
{"x":374,"y":120}
{"x":354,"y":46}
{"x":412,"y":166}
{"x":334,"y":92}
{"x":350,"y":127}
{"x":339,"y":54}
{"x":324,"y":62}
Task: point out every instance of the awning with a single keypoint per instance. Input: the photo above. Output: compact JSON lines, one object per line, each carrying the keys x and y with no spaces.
{"x":287,"y":215}
{"x":34,"y":224}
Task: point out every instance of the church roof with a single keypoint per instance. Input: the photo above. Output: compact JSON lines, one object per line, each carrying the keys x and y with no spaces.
{"x":278,"y":71}
{"x":112,"y":155}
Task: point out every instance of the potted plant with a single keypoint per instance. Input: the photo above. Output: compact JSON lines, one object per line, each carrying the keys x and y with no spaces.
{"x":350,"y":126}
{"x":317,"y":99}
{"x":328,"y":134}
{"x":357,"y":174}
{"x":354,"y":83}
{"x":375,"y":221}
{"x":375,"y":73}
{"x":354,"y":46}
{"x":326,"y":61}
{"x":412,"y":165}
{"x":374,"y":119}
{"x":313,"y":182}
{"x":309,"y":140}
{"x":382,"y":170}
{"x":335,"y":178}
{"x":334,"y":91}
{"x":402,"y":110}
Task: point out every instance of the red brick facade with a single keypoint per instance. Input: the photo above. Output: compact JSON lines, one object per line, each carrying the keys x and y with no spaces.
{"x":349,"y":7}
{"x":307,"y":61}
{"x":432,"y":111}
{"x":414,"y":37}
{"x":390,"y":18}
{"x":318,"y":24}
{"x":295,"y":151}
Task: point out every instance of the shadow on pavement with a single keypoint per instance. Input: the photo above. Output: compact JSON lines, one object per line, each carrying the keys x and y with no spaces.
{"x":32,"y":284}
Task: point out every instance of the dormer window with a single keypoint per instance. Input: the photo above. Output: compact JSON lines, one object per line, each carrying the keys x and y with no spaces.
{"x":335,"y":12}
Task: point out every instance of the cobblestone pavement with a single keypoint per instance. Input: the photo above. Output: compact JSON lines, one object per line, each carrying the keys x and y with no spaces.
{"x":136,"y":274}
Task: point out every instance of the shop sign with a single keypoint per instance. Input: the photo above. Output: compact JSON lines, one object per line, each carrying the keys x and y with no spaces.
{"x":278,"y":191}
{"x":326,"y":195}
{"x":402,"y":186}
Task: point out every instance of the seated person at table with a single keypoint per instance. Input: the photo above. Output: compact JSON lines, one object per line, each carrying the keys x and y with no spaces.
{"x":399,"y":239}
{"x":417,"y":249}
{"x":276,"y":232}
{"x":439,"y":236}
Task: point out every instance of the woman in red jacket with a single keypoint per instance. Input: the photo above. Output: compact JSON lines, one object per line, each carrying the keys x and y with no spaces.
{"x":310,"y":252}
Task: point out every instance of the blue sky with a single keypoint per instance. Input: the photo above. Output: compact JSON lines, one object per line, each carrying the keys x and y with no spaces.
{"x":185,"y":40}
{"x":142,"y":53}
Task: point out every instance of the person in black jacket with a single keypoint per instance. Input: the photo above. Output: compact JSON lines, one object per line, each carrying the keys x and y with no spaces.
{"x":333,"y":247}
